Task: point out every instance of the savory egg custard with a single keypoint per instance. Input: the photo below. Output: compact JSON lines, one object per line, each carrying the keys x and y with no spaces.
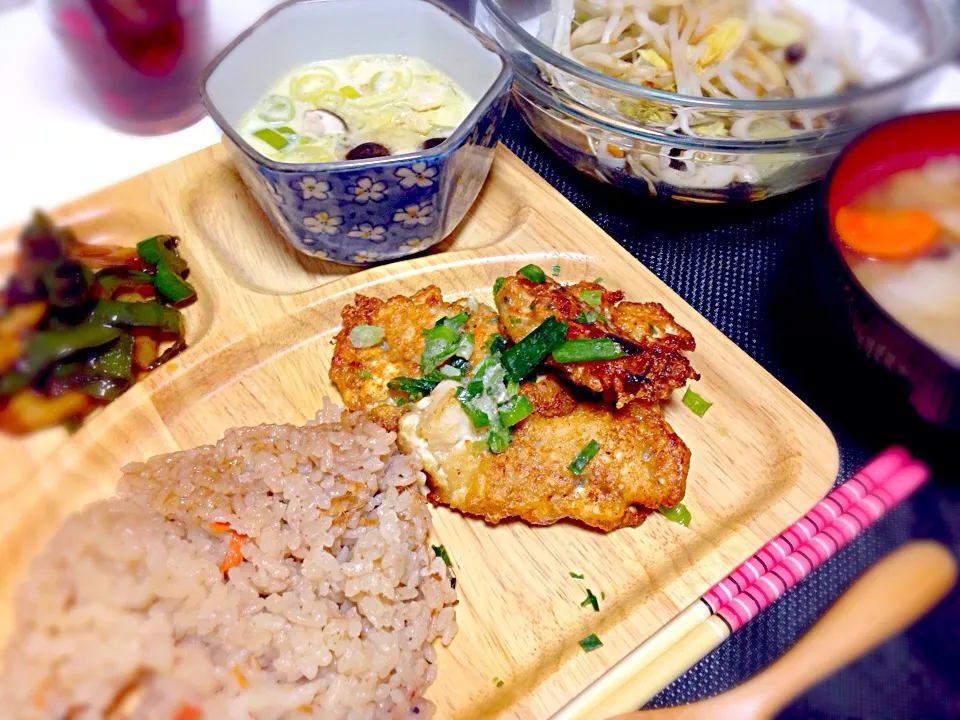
{"x":353,"y":108}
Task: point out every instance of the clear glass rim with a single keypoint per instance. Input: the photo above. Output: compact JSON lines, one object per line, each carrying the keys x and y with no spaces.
{"x":549,"y":98}
{"x":571,"y":67}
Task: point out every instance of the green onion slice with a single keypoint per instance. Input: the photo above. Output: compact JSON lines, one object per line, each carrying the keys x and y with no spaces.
{"x":591,"y":297}
{"x":515,"y":409}
{"x":498,"y":286}
{"x":585,"y":455}
{"x":587,"y":317}
{"x":591,"y":643}
{"x":591,"y":599}
{"x":698,"y":406}
{"x":587,"y":350}
{"x":363,"y":336}
{"x":498,"y":440}
{"x":415,"y":388}
{"x":533,"y":273}
{"x":520,"y":360}
{"x":441,"y":552}
{"x":272,"y":138}
{"x":555,"y":269}
{"x":577,"y":576}
{"x":679,"y":514}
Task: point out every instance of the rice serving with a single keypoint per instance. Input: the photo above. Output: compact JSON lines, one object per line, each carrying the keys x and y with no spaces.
{"x":283,"y":572}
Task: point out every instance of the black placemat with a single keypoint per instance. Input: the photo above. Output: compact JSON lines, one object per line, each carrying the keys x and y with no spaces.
{"x":757,"y":272}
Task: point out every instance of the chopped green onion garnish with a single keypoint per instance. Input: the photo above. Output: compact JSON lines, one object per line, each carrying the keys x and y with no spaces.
{"x":591,"y":297}
{"x":520,"y":360}
{"x":465,"y":348}
{"x":442,"y":341}
{"x":466,"y":396}
{"x":400,"y":401}
{"x":678,"y":514}
{"x":363,"y":336}
{"x":498,"y":285}
{"x":441,"y":552}
{"x":586,"y":350}
{"x":587,"y":317}
{"x":652,"y":328}
{"x":272,"y":138}
{"x":555,"y":269}
{"x":578,"y":576}
{"x":497,"y":343}
{"x":698,"y":406}
{"x":514,"y":410}
{"x":497,"y":440}
{"x":591,"y":599}
{"x":591,"y":643}
{"x":515,"y":321}
{"x":598,"y":280}
{"x":415,"y":388}
{"x":533,"y":273}
{"x":583,"y":457}
{"x":366,"y":374}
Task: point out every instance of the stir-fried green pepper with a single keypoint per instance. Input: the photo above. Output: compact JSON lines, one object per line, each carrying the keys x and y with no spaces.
{"x":160,"y":251}
{"x":112,"y":280}
{"x":114,"y":313}
{"x":50,"y":346}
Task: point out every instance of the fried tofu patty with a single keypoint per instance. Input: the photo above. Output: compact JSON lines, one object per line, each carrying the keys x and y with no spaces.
{"x":653,"y":366}
{"x":361,"y":374}
{"x":641,"y":464}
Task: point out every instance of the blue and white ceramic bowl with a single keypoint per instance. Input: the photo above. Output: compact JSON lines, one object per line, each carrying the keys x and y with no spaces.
{"x":361,"y":212}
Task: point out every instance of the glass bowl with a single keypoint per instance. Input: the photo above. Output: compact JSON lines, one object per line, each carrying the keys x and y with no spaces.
{"x":619,"y":132}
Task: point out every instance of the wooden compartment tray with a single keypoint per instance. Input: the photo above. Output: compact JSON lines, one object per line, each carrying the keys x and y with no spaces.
{"x":260,"y":350}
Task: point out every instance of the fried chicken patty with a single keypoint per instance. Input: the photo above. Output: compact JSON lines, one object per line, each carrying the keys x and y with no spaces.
{"x":641,"y":464}
{"x":361,"y":374}
{"x":653,"y":366}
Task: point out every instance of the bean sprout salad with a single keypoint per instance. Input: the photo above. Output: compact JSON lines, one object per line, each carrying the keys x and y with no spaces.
{"x":723,"y":49}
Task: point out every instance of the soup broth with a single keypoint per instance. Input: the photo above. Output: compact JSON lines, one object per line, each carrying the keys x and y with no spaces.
{"x":903,"y":243}
{"x":353,"y":108}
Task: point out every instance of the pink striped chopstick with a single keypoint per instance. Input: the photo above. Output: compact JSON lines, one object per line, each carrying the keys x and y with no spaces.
{"x":756,"y":584}
{"x":745,"y":606}
{"x":839,"y":501}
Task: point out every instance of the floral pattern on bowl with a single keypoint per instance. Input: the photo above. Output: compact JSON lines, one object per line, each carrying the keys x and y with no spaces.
{"x":369,"y":214}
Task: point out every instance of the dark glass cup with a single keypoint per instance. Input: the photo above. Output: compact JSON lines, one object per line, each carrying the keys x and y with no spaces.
{"x":139,"y":58}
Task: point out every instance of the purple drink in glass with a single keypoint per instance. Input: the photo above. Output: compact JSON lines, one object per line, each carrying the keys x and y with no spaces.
{"x":140,"y":58}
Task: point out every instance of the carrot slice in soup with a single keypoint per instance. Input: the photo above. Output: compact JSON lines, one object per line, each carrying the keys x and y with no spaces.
{"x":886,"y":234}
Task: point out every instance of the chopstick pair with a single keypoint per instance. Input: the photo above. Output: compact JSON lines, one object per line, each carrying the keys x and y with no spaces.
{"x":754,"y":585}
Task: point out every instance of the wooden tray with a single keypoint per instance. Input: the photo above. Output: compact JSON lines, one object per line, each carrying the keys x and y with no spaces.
{"x":260,"y":354}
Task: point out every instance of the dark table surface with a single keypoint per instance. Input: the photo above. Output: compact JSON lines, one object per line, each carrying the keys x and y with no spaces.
{"x":758,"y":273}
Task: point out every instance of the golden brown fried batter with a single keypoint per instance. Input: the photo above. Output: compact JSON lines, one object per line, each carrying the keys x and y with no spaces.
{"x":653,"y":366}
{"x":641,"y":463}
{"x":361,"y":374}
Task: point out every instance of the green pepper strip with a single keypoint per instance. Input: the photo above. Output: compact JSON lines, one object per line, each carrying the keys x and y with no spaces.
{"x":50,"y":346}
{"x":112,"y":279}
{"x":170,"y":267}
{"x":114,"y":313}
{"x":520,"y":360}
{"x":156,"y":250}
